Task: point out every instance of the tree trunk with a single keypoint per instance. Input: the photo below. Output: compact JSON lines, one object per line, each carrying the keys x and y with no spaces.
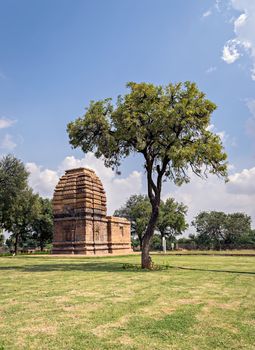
{"x":140,"y":242}
{"x":16,"y":244}
{"x":146,"y":259}
{"x":154,"y":192}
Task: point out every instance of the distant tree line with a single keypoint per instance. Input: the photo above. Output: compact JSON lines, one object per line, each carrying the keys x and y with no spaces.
{"x":218,"y":230}
{"x":28,"y":219}
{"x":23,"y":214}
{"x":171,"y":221}
{"x":170,"y":224}
{"x":214,"y":230}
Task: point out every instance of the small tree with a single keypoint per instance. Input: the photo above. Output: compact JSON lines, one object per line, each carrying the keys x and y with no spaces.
{"x":137,"y":210}
{"x":18,"y":204}
{"x":42,"y":225}
{"x":237,"y":226}
{"x":171,"y":220}
{"x":167,"y":125}
{"x":2,"y":239}
{"x":210,"y":227}
{"x":219,"y":230}
{"x":247,"y":240}
{"x":9,"y":244}
{"x":21,"y":217}
{"x":13,"y":181}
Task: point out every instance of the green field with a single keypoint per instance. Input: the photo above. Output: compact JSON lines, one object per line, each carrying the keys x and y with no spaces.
{"x":246,"y":252}
{"x":93,"y":303}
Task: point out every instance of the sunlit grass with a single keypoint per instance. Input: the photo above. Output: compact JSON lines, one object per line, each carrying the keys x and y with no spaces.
{"x":93,"y":303}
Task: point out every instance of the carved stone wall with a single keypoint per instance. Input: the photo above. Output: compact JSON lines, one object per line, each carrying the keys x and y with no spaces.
{"x":80,"y":222}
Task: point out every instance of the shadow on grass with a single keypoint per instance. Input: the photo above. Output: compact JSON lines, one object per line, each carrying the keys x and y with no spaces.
{"x":83,"y":267}
{"x":108,"y":267}
{"x":210,"y":270}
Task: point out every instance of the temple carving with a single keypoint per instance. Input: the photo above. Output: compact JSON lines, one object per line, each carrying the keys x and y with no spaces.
{"x":80,"y":222}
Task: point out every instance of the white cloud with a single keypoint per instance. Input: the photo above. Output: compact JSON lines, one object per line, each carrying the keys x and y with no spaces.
{"x":207,"y":14}
{"x":217,"y":5}
{"x":7,"y":143}
{"x":42,"y":180}
{"x":238,"y":195}
{"x":6,"y":123}
{"x":244,"y":30}
{"x":225,"y":138}
{"x":118,"y":189}
{"x":243,"y":182}
{"x":230,"y":52}
{"x":211,"y":70}
{"x":240,"y":21}
{"x":253,"y":72}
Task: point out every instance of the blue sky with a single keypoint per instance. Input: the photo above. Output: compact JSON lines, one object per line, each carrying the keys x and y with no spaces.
{"x":57,"y":55}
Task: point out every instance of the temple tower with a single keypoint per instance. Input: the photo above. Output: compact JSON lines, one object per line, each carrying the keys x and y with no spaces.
{"x":80,"y":222}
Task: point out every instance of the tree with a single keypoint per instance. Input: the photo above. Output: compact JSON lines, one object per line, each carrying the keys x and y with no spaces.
{"x":168,"y":126}
{"x":237,"y":226}
{"x":18,"y":204}
{"x":219,"y":230}
{"x":42,"y":225}
{"x":13,"y":181}
{"x":2,"y":239}
{"x":156,"y":242}
{"x":210,"y":227}
{"x":137,"y":210}
{"x":247,"y":240}
{"x":21,"y":216}
{"x":171,"y":220}
{"x":9,"y":244}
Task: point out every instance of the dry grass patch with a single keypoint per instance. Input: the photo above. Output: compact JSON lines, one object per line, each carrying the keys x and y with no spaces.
{"x":105,"y":329}
{"x":47,"y":329}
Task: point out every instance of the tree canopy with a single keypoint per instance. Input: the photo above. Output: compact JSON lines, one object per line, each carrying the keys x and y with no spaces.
{"x":171,"y":221}
{"x":137,"y":209}
{"x":21,"y":216}
{"x":42,"y":223}
{"x":218,"y":230}
{"x":167,"y":125}
{"x":13,"y":181}
{"x":2,"y":239}
{"x":23,"y":213}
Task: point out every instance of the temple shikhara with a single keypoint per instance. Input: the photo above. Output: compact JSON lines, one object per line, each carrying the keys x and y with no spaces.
{"x":80,"y":222}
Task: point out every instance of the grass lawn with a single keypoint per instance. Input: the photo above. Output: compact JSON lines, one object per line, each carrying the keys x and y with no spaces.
{"x":246,"y":252}
{"x":93,"y":303}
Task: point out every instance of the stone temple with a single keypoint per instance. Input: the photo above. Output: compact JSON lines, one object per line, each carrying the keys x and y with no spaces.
{"x":80,"y":222}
